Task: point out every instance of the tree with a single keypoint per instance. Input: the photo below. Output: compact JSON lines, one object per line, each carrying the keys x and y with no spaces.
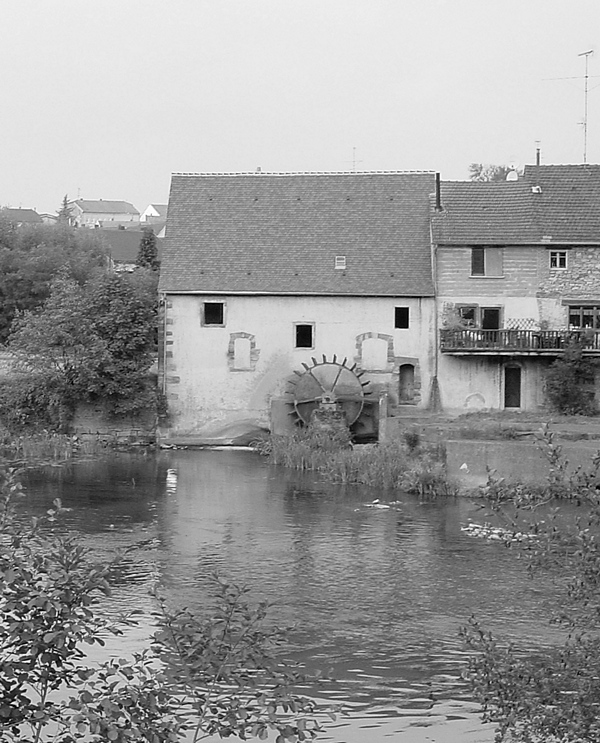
{"x":94,"y":342}
{"x":65,"y":212}
{"x":570,"y":381}
{"x":484,"y":173}
{"x":147,"y":256}
{"x":30,"y":258}
{"x":220,"y":674}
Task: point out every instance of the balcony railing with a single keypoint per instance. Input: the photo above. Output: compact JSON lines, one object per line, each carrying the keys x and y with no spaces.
{"x":539,"y":342}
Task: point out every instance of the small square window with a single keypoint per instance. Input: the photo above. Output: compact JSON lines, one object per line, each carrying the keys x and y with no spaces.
{"x":558,"y":259}
{"x":304,"y":335}
{"x":340,"y":261}
{"x":214,"y":313}
{"x":401,"y":317}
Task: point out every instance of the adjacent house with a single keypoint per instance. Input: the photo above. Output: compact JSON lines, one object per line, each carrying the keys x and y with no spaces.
{"x":154,"y":213}
{"x":20,"y":217}
{"x":517,"y":269}
{"x":123,"y":247}
{"x":105,"y":214}
{"x":285,"y":291}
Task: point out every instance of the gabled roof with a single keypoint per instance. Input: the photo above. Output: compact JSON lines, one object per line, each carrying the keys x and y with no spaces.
{"x":280,"y":233}
{"x":21,"y":216}
{"x":568,"y":207}
{"x":105,"y":207}
{"x":161,"y":209}
{"x":549,"y":204}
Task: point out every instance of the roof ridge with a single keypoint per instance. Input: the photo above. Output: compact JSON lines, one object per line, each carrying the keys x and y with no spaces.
{"x":308,"y":172}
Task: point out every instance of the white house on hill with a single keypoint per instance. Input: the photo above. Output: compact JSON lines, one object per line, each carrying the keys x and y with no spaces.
{"x":266,"y":277}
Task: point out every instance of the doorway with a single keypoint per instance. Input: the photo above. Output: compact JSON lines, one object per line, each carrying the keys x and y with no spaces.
{"x":407,"y":383}
{"x":512,"y":386}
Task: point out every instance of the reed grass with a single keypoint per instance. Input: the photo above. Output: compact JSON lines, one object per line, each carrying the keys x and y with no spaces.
{"x":395,"y":465}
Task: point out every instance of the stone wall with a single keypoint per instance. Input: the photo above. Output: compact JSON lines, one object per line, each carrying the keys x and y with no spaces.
{"x":91,"y":422}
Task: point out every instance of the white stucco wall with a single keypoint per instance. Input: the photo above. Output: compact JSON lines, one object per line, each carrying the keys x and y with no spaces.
{"x":203,"y":391}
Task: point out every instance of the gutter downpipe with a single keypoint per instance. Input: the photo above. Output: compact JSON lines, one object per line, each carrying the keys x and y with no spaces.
{"x":434,"y":398}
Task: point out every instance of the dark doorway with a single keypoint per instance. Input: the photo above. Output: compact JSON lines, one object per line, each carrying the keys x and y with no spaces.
{"x":512,"y":386}
{"x":407,"y":383}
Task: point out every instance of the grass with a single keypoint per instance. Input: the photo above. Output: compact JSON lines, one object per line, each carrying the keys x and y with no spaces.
{"x":405,"y":464}
{"x":45,"y":446}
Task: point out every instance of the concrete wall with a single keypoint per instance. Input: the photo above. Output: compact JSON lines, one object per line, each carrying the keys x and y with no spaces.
{"x":205,"y":391}
{"x":518,"y":461}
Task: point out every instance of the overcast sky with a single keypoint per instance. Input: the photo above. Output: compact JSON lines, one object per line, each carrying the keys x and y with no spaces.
{"x":106,"y":98}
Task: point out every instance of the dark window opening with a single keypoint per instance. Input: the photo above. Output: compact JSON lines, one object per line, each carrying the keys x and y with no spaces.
{"x":214,"y":313}
{"x":490,"y":318}
{"x":477,"y":261}
{"x":304,"y":336}
{"x":401,"y":317}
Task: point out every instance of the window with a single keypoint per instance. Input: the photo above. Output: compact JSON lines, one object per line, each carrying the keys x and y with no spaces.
{"x":584,"y":317}
{"x":467,"y":315}
{"x":401,"y":317}
{"x":487,"y":262}
{"x":558,"y":259}
{"x":304,"y":335}
{"x":340,"y":261}
{"x":474,"y":316}
{"x":213,"y":313}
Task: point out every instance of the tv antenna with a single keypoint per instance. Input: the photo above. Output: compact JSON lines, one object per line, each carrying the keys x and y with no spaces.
{"x":586,"y":78}
{"x":354,"y":161}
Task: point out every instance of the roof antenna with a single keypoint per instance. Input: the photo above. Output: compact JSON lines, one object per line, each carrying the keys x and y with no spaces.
{"x":585,"y":105}
{"x":354,"y":160}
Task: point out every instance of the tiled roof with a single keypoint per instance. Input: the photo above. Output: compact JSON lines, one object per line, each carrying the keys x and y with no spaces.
{"x":101,"y":206}
{"x":568,"y":207}
{"x":280,"y":233}
{"x":476,"y":213}
{"x":561,"y":202}
{"x":21,"y":216}
{"x":124,"y":245}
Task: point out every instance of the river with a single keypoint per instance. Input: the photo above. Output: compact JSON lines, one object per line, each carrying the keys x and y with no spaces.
{"x":375,"y":594}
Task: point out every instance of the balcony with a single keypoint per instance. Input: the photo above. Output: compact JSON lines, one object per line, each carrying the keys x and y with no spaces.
{"x":472,"y":341}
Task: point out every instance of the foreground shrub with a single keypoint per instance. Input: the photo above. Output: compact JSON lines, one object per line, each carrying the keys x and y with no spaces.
{"x":570,"y":381}
{"x":220,"y":674}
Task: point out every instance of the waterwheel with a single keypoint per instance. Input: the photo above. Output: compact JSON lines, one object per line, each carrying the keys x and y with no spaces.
{"x":330,"y":386}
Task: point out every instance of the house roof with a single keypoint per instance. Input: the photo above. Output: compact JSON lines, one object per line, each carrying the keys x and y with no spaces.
{"x":568,"y":207}
{"x":100,"y":206}
{"x":280,"y":233}
{"x":21,"y":216}
{"x":475,"y":213}
{"x":124,"y":245}
{"x":548,"y":204}
{"x":161,"y":209}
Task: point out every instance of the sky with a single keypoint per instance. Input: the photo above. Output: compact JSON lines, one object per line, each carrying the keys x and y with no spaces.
{"x":107,"y":98}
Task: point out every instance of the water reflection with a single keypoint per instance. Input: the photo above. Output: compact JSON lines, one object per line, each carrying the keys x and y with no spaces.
{"x":376,"y":595}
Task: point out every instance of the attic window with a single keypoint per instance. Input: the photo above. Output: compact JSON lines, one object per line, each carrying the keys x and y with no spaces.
{"x":340,"y":261}
{"x":305,"y":337}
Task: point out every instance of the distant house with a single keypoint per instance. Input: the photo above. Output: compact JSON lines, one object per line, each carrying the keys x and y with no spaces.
{"x":314,"y":279}
{"x":123,"y":247}
{"x":48,"y":218}
{"x":154,"y":213}
{"x":517,"y":266}
{"x":105,"y":214}
{"x":21,"y":216}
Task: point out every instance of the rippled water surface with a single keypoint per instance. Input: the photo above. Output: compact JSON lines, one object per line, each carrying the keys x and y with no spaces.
{"x":375,"y":595}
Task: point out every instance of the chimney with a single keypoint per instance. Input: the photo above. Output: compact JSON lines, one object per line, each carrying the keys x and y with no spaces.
{"x":438,"y":193}
{"x":537,"y":156}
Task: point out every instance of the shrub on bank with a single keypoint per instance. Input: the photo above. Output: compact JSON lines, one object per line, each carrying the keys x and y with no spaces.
{"x":395,"y":465}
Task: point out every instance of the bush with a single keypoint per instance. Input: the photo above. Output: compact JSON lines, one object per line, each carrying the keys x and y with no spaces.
{"x":570,"y":380}
{"x":201,"y":676}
